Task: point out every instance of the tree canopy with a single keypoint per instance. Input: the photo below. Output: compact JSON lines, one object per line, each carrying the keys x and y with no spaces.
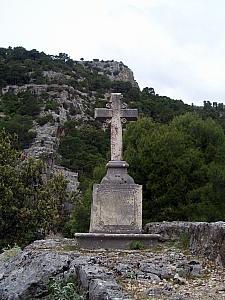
{"x":181,"y":165}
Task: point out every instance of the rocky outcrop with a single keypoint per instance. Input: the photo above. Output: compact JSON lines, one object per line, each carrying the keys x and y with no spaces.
{"x":62,"y":102}
{"x":71,"y":177}
{"x":35,"y":88}
{"x":52,"y":75}
{"x":114,"y":70}
{"x":46,"y":142}
{"x":27,"y":275}
{"x":206,"y":239}
{"x":162,"y":273}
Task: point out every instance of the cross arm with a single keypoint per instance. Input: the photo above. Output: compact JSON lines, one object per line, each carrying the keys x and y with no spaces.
{"x":103,"y":113}
{"x":129,"y":114}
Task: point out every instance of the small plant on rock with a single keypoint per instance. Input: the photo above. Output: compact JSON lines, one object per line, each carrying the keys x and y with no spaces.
{"x":136,"y":245}
{"x":65,"y":290}
{"x":184,"y":240}
{"x":10,"y":252}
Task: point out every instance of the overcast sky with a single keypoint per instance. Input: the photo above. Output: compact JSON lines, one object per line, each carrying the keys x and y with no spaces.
{"x":175,"y":46}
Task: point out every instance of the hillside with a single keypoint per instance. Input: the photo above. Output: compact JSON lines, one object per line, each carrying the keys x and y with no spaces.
{"x":42,"y":94}
{"x":48,"y":101}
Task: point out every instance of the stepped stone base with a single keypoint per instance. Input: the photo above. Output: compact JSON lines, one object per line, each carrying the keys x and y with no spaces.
{"x":115,"y":240}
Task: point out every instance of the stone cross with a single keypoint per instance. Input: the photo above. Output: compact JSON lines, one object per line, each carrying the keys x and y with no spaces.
{"x":116,"y":113}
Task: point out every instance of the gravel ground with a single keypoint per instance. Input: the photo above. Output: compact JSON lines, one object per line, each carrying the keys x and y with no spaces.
{"x":164,"y":273}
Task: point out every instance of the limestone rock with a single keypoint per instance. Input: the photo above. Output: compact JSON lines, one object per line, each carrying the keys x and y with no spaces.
{"x":27,"y":275}
{"x":206,"y":239}
{"x":112,"y":69}
{"x":111,"y":275}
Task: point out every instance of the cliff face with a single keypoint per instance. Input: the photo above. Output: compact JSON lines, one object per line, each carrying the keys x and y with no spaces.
{"x":114,"y":70}
{"x":66,"y":96}
{"x":69,"y":104}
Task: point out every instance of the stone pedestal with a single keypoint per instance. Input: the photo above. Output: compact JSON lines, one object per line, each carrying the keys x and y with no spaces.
{"x":116,"y":208}
{"x":117,"y":202}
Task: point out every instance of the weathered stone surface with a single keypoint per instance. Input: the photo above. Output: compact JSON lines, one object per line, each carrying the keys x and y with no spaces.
{"x":169,"y":230}
{"x":115,"y":115}
{"x":112,"y":69}
{"x":100,"y":272}
{"x":90,"y":272}
{"x":100,"y":283}
{"x":192,"y":268}
{"x":116,"y":208}
{"x":71,"y":177}
{"x":115,"y":240}
{"x":117,"y":173}
{"x":206,"y":239}
{"x":27,"y":275}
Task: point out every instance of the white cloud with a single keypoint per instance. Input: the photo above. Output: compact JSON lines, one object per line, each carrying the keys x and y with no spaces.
{"x":175,"y":46}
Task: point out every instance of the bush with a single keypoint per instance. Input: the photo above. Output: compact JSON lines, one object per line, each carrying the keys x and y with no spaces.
{"x":51,"y":105}
{"x":22,"y":127}
{"x":181,"y":167}
{"x":30,"y":206}
{"x":45,"y":119}
{"x":65,"y":290}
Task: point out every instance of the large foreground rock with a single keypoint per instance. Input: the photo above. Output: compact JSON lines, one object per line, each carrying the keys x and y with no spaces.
{"x":27,"y":275}
{"x":206,"y":239}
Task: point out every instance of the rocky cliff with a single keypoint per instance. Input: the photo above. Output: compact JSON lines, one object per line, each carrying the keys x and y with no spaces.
{"x":114,"y":70}
{"x":66,"y":95}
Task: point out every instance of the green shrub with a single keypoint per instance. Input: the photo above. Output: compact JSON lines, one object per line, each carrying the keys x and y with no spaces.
{"x":21,"y":126}
{"x":65,"y":290}
{"x":45,"y":119}
{"x":30,"y":206}
{"x":184,"y":240}
{"x":51,"y":105}
{"x":136,"y":245}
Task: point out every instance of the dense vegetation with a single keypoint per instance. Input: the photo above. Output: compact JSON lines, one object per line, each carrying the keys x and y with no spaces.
{"x":176,"y":151}
{"x":181,"y":165}
{"x":30,"y":206}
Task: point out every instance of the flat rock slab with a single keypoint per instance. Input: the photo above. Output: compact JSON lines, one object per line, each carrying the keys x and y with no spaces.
{"x":116,"y":240}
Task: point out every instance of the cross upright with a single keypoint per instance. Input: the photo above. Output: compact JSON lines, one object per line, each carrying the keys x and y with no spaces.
{"x":116,"y":113}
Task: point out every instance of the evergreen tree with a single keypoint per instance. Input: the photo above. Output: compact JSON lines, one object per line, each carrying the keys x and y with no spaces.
{"x":30,"y":207}
{"x":181,"y":165}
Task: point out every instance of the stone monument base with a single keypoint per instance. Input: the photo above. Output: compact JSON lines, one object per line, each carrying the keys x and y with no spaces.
{"x":116,"y":240}
{"x":116,"y":208}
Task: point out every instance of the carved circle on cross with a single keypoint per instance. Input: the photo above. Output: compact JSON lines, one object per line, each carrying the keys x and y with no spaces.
{"x":106,"y":123}
{"x":123,"y":120}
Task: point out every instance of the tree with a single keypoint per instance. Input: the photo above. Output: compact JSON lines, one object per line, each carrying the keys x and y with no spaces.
{"x":22,"y":127}
{"x":84,"y":148}
{"x":29,"y":206}
{"x":181,"y":166}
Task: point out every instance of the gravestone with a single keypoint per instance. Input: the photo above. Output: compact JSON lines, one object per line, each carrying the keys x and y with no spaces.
{"x":117,"y":200}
